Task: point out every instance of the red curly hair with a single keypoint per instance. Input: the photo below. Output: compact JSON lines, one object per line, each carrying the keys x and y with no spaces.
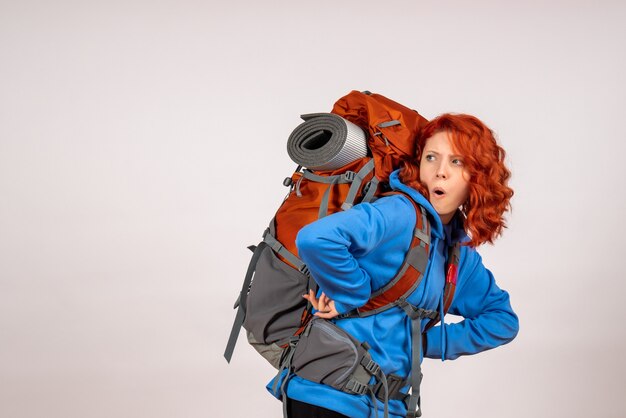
{"x":489,"y":194}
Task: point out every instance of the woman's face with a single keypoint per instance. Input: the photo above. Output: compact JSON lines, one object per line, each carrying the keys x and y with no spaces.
{"x":445,"y":177}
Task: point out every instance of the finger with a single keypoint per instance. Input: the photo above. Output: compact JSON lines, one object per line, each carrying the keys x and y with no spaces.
{"x":327,"y":315}
{"x":331,"y":306}
{"x":312,"y":299}
{"x":323,"y":303}
{"x":325,"y":298}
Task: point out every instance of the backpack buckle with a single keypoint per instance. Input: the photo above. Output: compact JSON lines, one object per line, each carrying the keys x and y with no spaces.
{"x":370,"y":366}
{"x":394,"y":384}
{"x":357,"y":387}
{"x":414,"y":414}
{"x":305,"y":270}
{"x":366,"y":188}
{"x":349,"y":175}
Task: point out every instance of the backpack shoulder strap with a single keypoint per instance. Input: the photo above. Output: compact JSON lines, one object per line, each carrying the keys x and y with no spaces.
{"x":452,"y":271}
{"x":411,"y":272}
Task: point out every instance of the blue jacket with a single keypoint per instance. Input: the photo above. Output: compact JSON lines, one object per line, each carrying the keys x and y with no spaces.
{"x":353,"y":253}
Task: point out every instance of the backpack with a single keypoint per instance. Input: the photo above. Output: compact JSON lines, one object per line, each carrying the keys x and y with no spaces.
{"x":282,"y":329}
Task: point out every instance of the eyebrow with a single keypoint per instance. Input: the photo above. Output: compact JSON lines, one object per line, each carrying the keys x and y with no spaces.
{"x":435,"y":152}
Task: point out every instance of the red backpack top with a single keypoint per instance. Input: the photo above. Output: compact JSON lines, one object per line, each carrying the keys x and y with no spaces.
{"x":391,"y":136}
{"x":392,"y":127}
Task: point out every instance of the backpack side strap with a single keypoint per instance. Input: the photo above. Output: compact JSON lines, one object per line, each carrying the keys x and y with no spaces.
{"x":270,"y":239}
{"x":241,"y":303}
{"x":356,"y":185}
{"x":356,"y":180}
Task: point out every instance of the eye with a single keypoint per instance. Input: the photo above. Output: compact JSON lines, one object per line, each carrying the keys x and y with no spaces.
{"x":457,"y":161}
{"x":429,"y":157}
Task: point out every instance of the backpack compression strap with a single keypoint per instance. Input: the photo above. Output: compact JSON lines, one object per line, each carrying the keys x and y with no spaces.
{"x":242,"y":302}
{"x":356,"y":179}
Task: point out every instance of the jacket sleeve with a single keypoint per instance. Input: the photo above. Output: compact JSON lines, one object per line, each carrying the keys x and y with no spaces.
{"x":489,"y":320}
{"x":331,"y":247}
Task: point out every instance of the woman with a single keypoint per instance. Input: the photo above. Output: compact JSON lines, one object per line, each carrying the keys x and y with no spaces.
{"x":461,"y":181}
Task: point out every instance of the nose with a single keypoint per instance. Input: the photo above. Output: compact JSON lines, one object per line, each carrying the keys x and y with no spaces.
{"x":442,"y":171}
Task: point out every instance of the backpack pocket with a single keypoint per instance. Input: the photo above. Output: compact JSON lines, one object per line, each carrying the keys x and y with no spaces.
{"x":271,"y":352}
{"x":329,"y":355}
{"x":275,"y":305}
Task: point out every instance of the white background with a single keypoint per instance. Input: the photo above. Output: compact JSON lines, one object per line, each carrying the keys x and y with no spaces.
{"x":142,"y":148}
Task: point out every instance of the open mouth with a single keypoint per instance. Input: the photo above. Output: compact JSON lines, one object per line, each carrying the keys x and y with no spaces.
{"x":438,"y":191}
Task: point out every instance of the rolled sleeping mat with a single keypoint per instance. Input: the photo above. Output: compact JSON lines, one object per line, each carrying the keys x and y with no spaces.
{"x":326,"y":141}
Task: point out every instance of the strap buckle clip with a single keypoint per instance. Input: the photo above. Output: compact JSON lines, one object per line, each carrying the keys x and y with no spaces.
{"x":305,"y":270}
{"x":370,"y":366}
{"x":349,"y":175}
{"x":357,"y":387}
{"x":394,"y":384}
{"x":414,"y":414}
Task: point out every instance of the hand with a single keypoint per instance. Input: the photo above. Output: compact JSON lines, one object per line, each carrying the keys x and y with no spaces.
{"x":325,"y":306}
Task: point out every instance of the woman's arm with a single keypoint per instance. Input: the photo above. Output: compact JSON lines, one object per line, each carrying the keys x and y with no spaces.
{"x":332,"y":247}
{"x":489,"y":319}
